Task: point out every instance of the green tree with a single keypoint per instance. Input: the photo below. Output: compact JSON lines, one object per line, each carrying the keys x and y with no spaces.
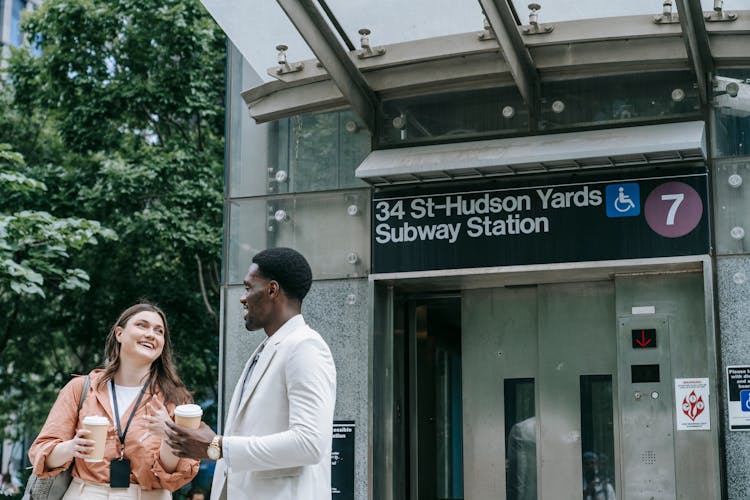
{"x":118,"y":108}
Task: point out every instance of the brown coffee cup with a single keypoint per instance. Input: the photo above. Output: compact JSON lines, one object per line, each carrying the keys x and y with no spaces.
{"x":98,"y":426}
{"x":188,"y":416}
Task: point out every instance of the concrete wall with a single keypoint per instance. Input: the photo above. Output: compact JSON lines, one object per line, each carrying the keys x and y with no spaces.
{"x":734,"y":321}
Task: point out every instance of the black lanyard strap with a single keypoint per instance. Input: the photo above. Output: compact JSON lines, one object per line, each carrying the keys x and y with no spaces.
{"x":122,"y":433}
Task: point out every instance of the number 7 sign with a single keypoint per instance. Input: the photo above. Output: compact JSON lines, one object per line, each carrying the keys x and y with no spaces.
{"x":673,"y":209}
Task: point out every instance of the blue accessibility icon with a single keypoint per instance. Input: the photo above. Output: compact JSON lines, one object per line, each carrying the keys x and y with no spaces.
{"x":623,"y":200}
{"x":745,"y":400}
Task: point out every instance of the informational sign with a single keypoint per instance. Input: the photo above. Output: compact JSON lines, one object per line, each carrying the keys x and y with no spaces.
{"x":432,"y":227}
{"x":342,"y":460}
{"x":691,"y":396}
{"x":738,"y":397}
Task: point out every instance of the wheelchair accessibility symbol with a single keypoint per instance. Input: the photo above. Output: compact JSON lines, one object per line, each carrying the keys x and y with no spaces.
{"x":623,"y":200}
{"x":745,"y":401}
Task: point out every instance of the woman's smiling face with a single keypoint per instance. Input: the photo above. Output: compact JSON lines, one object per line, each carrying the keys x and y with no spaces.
{"x":142,"y":337}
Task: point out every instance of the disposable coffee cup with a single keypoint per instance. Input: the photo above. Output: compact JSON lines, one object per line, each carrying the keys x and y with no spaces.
{"x":188,"y":416}
{"x":98,"y":426}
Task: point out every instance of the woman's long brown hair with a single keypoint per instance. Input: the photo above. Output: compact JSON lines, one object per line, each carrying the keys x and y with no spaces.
{"x":163,"y":373}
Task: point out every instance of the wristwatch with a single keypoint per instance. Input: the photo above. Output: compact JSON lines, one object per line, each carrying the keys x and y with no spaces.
{"x":214,"y":449}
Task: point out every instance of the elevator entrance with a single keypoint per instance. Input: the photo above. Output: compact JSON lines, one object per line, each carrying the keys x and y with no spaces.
{"x":554,"y":391}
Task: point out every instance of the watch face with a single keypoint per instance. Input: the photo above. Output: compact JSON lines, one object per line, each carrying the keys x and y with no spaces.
{"x":213,"y":452}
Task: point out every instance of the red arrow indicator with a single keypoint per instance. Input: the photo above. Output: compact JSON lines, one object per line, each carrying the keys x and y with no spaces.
{"x":642,"y":341}
{"x":644,"y":338}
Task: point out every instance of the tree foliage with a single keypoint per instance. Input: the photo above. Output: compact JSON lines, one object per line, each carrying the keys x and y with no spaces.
{"x":117,"y":107}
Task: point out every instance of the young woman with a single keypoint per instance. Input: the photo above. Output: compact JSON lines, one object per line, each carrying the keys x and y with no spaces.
{"x":138,"y":379}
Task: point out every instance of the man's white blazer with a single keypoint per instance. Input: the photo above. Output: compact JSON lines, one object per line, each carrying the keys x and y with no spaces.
{"x":277,"y":436}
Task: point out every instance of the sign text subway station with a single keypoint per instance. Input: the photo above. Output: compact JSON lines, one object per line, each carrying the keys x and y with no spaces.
{"x":429,"y":229}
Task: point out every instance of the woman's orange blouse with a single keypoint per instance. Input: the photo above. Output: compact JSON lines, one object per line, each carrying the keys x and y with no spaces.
{"x":141,"y":446}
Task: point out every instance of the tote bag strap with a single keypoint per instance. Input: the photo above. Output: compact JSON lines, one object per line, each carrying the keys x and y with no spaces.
{"x":85,"y":389}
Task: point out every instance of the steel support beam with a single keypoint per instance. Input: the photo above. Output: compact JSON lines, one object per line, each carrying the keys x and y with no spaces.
{"x":696,"y":40}
{"x":323,"y":42}
{"x":503,"y":23}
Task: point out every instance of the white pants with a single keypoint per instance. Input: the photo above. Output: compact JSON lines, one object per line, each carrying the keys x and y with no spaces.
{"x":80,"y":490}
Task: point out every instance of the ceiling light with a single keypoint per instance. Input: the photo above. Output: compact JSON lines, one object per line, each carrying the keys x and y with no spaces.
{"x":558,"y":106}
{"x":678,"y":95}
{"x":509,"y":112}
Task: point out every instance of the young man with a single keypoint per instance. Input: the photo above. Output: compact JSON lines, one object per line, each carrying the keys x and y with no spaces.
{"x":277,"y":437}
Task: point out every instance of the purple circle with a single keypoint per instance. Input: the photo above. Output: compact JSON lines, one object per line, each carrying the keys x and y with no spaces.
{"x":673,"y":209}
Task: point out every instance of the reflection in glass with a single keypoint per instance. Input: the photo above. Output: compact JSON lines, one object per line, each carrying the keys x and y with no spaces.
{"x":299,"y":154}
{"x":454,"y":115}
{"x":439,"y":411}
{"x":618,"y":100}
{"x":597,"y":437}
{"x":732,"y":135}
{"x":520,"y":439}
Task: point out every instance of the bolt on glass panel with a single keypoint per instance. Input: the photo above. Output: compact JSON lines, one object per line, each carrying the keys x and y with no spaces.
{"x":618,"y":100}
{"x":520,"y":439}
{"x":597,"y":438}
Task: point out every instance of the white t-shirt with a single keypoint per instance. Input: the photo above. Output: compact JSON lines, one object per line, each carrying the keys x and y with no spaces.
{"x":125,"y":397}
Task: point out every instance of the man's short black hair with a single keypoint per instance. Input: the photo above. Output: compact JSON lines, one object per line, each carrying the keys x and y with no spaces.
{"x":288,"y":268}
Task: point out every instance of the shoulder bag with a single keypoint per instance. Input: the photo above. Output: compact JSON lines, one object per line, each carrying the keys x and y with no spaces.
{"x":53,"y":488}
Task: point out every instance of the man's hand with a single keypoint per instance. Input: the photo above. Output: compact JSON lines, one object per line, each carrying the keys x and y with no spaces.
{"x":189,"y":443}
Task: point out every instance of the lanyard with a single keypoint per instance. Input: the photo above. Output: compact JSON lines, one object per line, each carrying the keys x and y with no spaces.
{"x":122,"y":433}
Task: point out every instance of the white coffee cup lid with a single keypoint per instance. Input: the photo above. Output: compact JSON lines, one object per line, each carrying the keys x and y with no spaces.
{"x":95,"y":420}
{"x":188,"y":411}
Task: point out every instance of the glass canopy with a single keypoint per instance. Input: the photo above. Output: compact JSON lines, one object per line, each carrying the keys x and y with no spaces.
{"x":258,"y":26}
{"x":571,"y":10}
{"x":393,"y":21}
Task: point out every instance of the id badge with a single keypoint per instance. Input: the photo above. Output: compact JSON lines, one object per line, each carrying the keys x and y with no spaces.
{"x":119,"y":473}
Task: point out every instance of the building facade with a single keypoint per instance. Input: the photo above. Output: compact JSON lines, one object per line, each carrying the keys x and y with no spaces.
{"x":10,"y":23}
{"x":528,"y":237}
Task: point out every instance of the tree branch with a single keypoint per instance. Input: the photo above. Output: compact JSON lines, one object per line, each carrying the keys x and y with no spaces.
{"x":203,"y":289}
{"x":11,"y":319}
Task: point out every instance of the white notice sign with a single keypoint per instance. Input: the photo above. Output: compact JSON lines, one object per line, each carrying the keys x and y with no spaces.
{"x":691,"y":397}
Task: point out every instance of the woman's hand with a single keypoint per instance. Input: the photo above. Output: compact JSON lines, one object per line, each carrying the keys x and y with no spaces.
{"x":78,"y":447}
{"x":157,"y":417}
{"x":81,"y":445}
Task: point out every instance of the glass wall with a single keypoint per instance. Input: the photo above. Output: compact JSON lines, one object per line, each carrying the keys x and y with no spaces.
{"x":454,"y":115}
{"x":618,"y":100}
{"x":291,"y":183}
{"x":731,"y":166}
{"x":300,"y":154}
{"x":607,"y":101}
{"x":732,"y":113}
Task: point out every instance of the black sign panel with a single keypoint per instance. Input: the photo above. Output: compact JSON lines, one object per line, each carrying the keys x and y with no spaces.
{"x":644,"y":338}
{"x":342,"y":460}
{"x":585,"y":219}
{"x":738,"y":379}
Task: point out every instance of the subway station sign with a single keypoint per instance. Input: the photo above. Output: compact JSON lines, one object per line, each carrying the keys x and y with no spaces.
{"x":587,"y":219}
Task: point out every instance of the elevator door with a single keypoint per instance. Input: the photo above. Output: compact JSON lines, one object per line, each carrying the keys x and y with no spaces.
{"x":569,"y":391}
{"x":540,"y":368}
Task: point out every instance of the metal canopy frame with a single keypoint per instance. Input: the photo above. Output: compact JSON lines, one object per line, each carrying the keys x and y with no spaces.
{"x":583,"y":47}
{"x":323,"y":42}
{"x":500,"y":15}
{"x":695,"y":35}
